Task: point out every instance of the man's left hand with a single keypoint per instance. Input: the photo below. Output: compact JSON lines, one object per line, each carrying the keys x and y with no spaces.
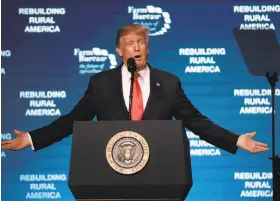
{"x":246,"y":142}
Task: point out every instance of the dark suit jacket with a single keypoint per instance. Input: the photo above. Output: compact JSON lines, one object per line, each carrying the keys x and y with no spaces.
{"x":104,"y":99}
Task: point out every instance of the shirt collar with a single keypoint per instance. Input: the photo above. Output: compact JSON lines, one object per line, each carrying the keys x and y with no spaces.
{"x":143,"y":73}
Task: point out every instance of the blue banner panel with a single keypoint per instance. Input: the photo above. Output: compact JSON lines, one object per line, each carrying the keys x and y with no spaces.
{"x":50,"y":49}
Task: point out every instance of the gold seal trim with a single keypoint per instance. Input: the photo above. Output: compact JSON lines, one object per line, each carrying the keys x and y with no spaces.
{"x":127,"y":152}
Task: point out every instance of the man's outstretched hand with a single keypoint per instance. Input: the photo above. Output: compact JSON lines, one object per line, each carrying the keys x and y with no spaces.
{"x":246,"y":143}
{"x":20,"y":142}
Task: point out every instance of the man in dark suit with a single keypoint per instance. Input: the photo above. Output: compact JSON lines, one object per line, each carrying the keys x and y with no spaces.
{"x":157,"y":95}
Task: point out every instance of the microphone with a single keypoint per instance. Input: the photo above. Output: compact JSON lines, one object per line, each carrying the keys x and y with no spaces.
{"x":131,"y":67}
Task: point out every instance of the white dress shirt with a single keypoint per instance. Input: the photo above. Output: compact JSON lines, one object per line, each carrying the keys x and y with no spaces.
{"x":144,"y":82}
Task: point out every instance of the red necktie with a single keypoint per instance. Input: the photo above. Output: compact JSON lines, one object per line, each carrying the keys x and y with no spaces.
{"x":137,"y":101}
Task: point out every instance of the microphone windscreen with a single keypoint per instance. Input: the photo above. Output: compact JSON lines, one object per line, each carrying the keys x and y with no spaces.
{"x":131,"y":65}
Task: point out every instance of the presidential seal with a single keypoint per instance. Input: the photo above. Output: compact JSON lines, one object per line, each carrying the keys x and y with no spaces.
{"x":127,"y":152}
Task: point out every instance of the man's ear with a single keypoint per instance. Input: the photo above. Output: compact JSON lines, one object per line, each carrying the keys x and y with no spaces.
{"x":118,"y":50}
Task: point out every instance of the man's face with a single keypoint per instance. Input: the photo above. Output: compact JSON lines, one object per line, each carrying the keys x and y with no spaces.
{"x":134,"y":45}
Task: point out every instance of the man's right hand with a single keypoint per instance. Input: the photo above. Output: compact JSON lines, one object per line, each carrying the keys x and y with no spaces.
{"x":20,"y":142}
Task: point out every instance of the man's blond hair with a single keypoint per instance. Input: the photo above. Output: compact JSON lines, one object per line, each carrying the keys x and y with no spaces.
{"x":132,"y":28}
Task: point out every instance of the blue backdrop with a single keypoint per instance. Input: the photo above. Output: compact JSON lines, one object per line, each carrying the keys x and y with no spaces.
{"x":51,"y":48}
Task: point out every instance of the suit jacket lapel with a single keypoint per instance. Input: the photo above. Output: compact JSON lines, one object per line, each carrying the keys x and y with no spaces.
{"x":118,"y":93}
{"x":155,"y":94}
